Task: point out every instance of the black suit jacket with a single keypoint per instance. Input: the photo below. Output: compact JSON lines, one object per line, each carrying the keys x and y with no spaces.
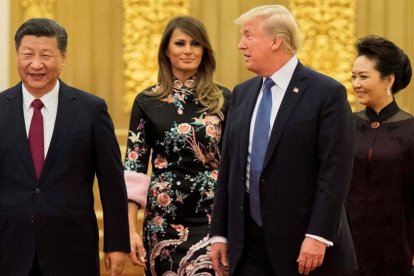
{"x":54,"y":216}
{"x":306,"y":175}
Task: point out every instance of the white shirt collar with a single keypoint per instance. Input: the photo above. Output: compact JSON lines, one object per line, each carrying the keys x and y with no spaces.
{"x":282,"y":76}
{"x":49,"y":99}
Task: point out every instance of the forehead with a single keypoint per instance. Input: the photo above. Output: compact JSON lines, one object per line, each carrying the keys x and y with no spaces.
{"x":179,"y":34}
{"x":38,"y":43}
{"x":363,"y":63}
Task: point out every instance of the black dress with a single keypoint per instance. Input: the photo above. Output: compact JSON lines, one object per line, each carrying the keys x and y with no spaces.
{"x":381,"y":197}
{"x":185,"y":157}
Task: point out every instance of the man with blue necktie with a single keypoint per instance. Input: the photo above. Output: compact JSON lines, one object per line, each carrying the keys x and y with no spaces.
{"x":286,"y":162}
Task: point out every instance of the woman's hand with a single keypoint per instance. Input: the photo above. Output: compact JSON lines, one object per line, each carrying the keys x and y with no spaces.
{"x":138,"y":254}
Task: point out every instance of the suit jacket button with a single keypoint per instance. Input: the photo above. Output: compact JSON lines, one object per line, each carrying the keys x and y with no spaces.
{"x":32,"y":219}
{"x":37,"y":191}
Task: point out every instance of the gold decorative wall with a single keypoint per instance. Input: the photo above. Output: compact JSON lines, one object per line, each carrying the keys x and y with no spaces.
{"x":328,"y":30}
{"x":37,"y":8}
{"x":144,"y":22}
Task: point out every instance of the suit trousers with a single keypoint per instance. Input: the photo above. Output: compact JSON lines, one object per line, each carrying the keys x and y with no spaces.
{"x":35,"y":271}
{"x":254,"y":259}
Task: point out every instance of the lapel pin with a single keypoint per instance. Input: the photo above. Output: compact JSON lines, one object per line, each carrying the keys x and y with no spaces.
{"x":295,"y":90}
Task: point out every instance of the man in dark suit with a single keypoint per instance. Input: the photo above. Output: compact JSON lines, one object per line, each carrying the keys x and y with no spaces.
{"x":286,"y":162}
{"x":53,"y":140}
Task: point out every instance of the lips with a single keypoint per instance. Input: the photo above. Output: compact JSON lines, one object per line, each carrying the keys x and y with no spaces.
{"x":36,"y":75}
{"x":360,"y":93}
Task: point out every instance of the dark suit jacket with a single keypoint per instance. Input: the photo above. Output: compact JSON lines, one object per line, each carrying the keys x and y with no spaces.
{"x":55,"y":216}
{"x":306,"y":175}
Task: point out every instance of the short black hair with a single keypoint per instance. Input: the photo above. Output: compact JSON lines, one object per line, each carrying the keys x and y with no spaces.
{"x":389,"y":58}
{"x":42,"y":27}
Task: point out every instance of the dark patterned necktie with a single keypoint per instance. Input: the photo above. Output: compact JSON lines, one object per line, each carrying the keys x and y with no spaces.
{"x":36,"y":139}
{"x":259,"y":146}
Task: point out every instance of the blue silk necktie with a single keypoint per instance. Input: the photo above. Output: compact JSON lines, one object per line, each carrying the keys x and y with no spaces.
{"x":259,"y":146}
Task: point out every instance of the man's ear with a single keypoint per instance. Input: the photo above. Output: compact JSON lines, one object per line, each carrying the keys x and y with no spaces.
{"x":276,"y":43}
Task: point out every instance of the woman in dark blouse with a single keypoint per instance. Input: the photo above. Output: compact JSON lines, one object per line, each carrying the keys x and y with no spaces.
{"x":176,"y":126}
{"x":381,"y":198}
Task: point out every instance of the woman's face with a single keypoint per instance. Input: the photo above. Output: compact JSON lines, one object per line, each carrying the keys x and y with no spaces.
{"x":185,"y":54}
{"x":370,"y":88}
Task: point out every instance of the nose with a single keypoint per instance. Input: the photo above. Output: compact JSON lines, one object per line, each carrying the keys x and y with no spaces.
{"x":187,"y":49}
{"x":355,"y":82}
{"x":36,"y":63}
{"x":242,"y":44}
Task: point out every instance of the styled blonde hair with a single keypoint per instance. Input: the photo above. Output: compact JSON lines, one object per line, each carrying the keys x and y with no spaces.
{"x":277,"y":21}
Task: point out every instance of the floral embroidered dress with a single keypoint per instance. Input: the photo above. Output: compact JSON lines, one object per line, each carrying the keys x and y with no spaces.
{"x":185,"y":157}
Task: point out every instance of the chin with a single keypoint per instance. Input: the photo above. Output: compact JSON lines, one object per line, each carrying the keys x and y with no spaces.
{"x":363,"y":102}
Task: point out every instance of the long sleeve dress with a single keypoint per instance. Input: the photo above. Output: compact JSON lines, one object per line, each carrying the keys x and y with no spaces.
{"x":381,"y":197}
{"x":184,"y":145}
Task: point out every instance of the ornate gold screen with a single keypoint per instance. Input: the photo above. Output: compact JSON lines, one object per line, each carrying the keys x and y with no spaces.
{"x":328,"y":29}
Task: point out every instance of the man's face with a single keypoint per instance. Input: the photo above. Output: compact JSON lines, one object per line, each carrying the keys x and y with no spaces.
{"x":39,"y":63}
{"x":256,"y":45}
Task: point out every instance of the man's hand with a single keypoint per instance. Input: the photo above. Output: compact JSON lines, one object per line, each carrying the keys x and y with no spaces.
{"x":312,"y":253}
{"x":218,"y":256}
{"x":137,"y":249}
{"x":114,"y":262}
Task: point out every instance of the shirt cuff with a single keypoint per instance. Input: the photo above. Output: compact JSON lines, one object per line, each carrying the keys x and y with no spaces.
{"x":216,"y":239}
{"x":325,"y":241}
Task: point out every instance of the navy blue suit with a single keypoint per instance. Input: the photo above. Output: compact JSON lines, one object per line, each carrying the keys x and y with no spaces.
{"x":54,"y":217}
{"x":306,"y":173}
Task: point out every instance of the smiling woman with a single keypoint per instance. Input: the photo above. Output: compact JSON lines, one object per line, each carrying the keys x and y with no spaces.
{"x":380,"y":201}
{"x":185,"y":54}
{"x":177,"y":124}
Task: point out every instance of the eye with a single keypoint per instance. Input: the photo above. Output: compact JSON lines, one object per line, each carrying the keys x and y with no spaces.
{"x":179,"y":43}
{"x":195,"y":43}
{"x":353,"y":77}
{"x":27,"y":55}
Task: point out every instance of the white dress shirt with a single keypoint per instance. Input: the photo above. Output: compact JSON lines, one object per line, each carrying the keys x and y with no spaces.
{"x":281,"y":78}
{"x":49,"y":112}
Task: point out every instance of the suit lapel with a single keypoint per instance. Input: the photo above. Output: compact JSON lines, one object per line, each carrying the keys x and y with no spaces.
{"x":14,"y":112}
{"x":66,"y":112}
{"x":245,"y":114}
{"x":292,"y":96}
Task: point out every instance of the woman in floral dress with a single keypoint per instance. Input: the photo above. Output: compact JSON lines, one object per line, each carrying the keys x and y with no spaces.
{"x":178,"y":125}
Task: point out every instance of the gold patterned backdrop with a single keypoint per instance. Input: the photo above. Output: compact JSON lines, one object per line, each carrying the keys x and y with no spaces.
{"x":37,"y":8}
{"x":327,"y":27}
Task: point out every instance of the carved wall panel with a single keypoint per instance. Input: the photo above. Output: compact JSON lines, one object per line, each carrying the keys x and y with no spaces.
{"x":328,"y":29}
